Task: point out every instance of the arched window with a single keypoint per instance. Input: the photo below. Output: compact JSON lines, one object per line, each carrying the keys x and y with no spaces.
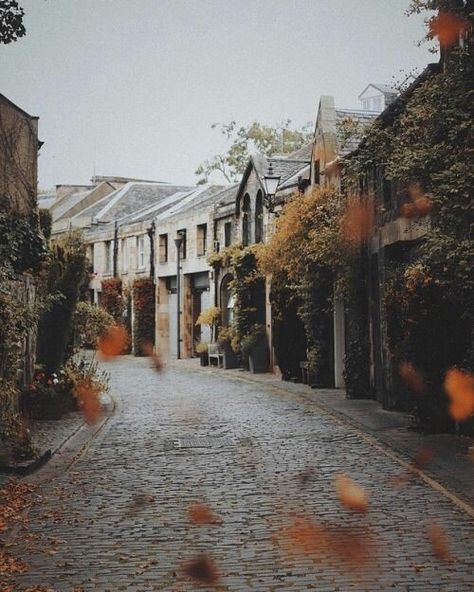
{"x":246,"y":221}
{"x":259,"y":217}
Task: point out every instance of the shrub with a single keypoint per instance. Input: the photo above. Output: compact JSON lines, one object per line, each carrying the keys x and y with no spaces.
{"x":111,"y":298}
{"x":144,"y":315}
{"x":210,"y":317}
{"x":90,"y":323}
{"x":65,"y":274}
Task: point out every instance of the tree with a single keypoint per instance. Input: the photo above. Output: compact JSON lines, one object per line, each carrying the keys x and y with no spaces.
{"x":244,"y":140}
{"x":11,"y":21}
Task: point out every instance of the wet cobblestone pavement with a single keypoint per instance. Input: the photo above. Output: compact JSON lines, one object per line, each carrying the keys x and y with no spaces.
{"x":118,"y":519}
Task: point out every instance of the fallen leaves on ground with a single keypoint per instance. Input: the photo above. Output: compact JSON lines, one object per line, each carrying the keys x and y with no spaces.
{"x":412,"y":377}
{"x":14,"y":498}
{"x":351,"y":495}
{"x":307,"y":475}
{"x":203,"y":570}
{"x":447,"y":27}
{"x":202,"y":514}
{"x":113,"y":342}
{"x":460,"y":388}
{"x":439,"y":542}
{"x":138,"y":502}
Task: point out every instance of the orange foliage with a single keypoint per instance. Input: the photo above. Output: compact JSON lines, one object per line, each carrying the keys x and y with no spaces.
{"x":203,"y":570}
{"x":201,"y":514}
{"x":439,"y":542}
{"x":358,"y":221}
{"x":88,"y":396}
{"x":447,"y":27}
{"x":412,"y":377}
{"x":351,"y":495}
{"x":460,"y":388}
{"x":420,"y":205}
{"x":113,"y":342}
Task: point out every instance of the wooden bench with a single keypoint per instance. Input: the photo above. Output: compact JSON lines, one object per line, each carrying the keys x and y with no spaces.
{"x":214,"y":352}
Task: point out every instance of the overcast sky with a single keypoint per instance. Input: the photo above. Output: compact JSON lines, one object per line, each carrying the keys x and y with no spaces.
{"x":131,"y":87}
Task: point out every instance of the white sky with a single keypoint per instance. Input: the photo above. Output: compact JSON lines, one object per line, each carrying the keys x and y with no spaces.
{"x":134,"y":85}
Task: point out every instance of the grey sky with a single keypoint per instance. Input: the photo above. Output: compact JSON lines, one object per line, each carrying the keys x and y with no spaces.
{"x":136,"y":84}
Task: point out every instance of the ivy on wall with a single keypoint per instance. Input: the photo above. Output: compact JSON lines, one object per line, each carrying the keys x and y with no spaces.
{"x":111,"y":298}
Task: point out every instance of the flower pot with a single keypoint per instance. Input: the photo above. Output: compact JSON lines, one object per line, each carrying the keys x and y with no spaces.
{"x":204,"y":358}
{"x":230,"y":358}
{"x":259,"y":358}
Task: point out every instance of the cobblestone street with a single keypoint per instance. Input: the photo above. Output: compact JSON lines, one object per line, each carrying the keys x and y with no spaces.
{"x":118,"y":519}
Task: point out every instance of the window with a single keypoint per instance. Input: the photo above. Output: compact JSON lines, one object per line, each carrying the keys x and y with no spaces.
{"x":182,"y":232}
{"x":163,"y":248}
{"x":124,"y":250}
{"x":366,"y":104}
{"x":90,"y":256}
{"x":201,"y":239}
{"x":246,"y":221}
{"x":141,"y":251}
{"x":108,"y":256}
{"x":227,"y":234}
{"x":259,"y":218}
{"x":317,"y":172}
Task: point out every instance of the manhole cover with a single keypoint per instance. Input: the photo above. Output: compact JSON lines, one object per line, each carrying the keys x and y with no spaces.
{"x":204,"y":442}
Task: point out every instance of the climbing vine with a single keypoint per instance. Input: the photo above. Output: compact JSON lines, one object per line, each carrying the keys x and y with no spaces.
{"x":144,"y":316}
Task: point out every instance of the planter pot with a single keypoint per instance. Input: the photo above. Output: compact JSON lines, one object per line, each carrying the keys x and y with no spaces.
{"x":259,"y":358}
{"x":230,"y":359}
{"x":204,"y":359}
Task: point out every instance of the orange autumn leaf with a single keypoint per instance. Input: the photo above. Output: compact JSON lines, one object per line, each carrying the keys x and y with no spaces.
{"x":358,"y":220}
{"x":460,"y":388}
{"x":203,"y":570}
{"x":89,"y":402}
{"x":439,"y":542}
{"x":420,"y":204}
{"x":201,"y":514}
{"x":351,"y":495}
{"x":154,"y":356}
{"x":113,"y":342}
{"x":447,"y":27}
{"x":412,"y":377}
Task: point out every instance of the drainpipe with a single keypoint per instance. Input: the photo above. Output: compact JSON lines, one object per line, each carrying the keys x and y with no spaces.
{"x":151,"y":236}
{"x":116,"y":247}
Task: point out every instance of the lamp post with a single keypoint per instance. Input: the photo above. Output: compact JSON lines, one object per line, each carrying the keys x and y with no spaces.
{"x":271,"y":182}
{"x":178,"y":241}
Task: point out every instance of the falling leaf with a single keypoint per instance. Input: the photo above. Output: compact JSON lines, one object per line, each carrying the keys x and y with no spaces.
{"x":439,"y":542}
{"x":89,"y":402}
{"x":460,"y":388}
{"x":423,"y":458}
{"x":113,"y":342}
{"x":358,"y":220}
{"x":203,"y":570}
{"x":149,"y":350}
{"x":420,"y":204}
{"x":307,"y":475}
{"x":351,"y":495}
{"x":447,"y":27}
{"x":413,"y":377}
{"x":201,"y":514}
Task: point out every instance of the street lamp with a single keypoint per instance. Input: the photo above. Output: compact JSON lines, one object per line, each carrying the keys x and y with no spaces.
{"x":178,"y":241}
{"x":271,"y":182}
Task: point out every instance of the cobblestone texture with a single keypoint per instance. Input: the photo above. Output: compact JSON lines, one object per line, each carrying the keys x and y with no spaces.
{"x":118,"y":519}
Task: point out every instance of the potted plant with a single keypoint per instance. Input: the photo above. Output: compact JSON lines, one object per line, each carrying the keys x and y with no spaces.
{"x":201,"y":348}
{"x":255,"y":345}
{"x":227,"y":339}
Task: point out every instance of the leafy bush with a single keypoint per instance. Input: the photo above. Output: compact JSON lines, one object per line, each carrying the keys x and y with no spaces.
{"x":210,"y":317}
{"x":65,"y":274}
{"x":90,"y":323}
{"x":111,"y":298}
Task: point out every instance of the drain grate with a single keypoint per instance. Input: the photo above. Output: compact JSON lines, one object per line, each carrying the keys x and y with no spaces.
{"x":204,"y":442}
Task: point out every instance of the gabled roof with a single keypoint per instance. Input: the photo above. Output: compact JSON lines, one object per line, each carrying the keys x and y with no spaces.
{"x":386,"y":89}
{"x":360,"y":119}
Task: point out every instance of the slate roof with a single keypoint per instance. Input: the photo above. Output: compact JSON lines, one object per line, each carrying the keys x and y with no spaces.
{"x":46,"y":200}
{"x":386,"y":89}
{"x":61,"y":207}
{"x":130,"y":199}
{"x":361,"y":120}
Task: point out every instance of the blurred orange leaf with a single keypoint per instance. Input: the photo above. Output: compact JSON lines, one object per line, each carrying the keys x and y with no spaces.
{"x":460,"y":388}
{"x":201,"y":514}
{"x":351,"y":495}
{"x":88,"y":396}
{"x":412,"y":377}
{"x":113,"y":342}
{"x":358,"y":220}
{"x":439,"y":542}
{"x":447,"y":27}
{"x":203,"y":570}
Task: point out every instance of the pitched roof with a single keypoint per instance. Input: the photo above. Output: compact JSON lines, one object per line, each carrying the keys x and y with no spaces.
{"x":359,"y":120}
{"x":386,"y":89}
